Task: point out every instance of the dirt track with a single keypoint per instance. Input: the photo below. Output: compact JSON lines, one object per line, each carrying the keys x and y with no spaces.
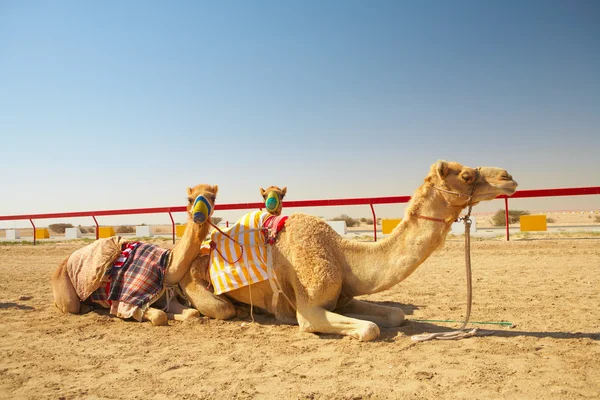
{"x":550,"y":289}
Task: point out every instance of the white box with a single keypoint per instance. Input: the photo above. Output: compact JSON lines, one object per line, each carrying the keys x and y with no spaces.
{"x":458,"y":228}
{"x":338,"y":226}
{"x":143,"y":231}
{"x":72,"y":233}
{"x":13,"y":234}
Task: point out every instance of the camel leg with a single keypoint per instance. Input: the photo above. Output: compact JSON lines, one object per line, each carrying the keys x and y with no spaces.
{"x":385,"y":316}
{"x":204,"y":300}
{"x":179,"y":312}
{"x":317,"y":319}
{"x":65,"y":296}
{"x":155,"y":316}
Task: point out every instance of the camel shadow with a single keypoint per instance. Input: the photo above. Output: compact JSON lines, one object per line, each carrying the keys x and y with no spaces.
{"x":265,"y":318}
{"x":411,"y":328}
{"x":408,"y":309}
{"x":15,"y":305}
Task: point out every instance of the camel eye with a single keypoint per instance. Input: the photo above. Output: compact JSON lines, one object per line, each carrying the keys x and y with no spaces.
{"x":466,"y":177}
{"x":212,"y":198}
{"x":190,"y":200}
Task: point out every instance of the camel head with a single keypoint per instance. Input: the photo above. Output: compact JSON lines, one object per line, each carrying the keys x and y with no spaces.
{"x":273,"y":197}
{"x":461,"y":185}
{"x":201,"y":202}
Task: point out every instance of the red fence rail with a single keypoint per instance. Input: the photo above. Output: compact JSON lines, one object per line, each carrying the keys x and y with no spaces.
{"x":371,"y":201}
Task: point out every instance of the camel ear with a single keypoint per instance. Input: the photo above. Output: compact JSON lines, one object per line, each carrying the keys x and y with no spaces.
{"x":283,"y":191}
{"x":262,"y":192}
{"x":189,"y":191}
{"x":215,"y":189}
{"x":441,"y":167}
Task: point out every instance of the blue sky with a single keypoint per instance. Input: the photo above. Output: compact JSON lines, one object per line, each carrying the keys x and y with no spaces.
{"x":113,"y":104}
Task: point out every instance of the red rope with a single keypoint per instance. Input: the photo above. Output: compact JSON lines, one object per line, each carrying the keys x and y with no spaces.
{"x":213,"y":245}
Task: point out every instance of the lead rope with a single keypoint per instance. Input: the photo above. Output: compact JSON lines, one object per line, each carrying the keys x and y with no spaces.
{"x":461,"y":333}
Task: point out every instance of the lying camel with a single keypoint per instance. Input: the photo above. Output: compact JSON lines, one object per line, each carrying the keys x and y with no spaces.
{"x":220,"y":307}
{"x":320,"y":273}
{"x":88,"y":275}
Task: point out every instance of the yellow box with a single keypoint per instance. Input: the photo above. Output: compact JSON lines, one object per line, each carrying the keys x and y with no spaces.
{"x":533,"y":223}
{"x":388,"y":225}
{"x":42,"y":233}
{"x":179,"y":229}
{"x":106,"y":231}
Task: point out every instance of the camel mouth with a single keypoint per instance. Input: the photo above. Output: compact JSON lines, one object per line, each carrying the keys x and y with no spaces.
{"x":511,"y":189}
{"x":507,"y":188}
{"x":499,"y":189}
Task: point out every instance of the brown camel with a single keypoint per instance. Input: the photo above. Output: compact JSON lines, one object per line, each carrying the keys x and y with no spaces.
{"x":69,"y":299}
{"x":273,"y":197}
{"x":321,"y":273}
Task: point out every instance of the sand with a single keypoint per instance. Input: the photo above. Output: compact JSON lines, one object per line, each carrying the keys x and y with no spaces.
{"x":548,"y":288}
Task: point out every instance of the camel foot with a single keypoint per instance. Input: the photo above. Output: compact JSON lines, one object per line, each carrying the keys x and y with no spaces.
{"x":156,"y":317}
{"x":368,"y":332}
{"x":185,"y":315}
{"x":190,"y":314}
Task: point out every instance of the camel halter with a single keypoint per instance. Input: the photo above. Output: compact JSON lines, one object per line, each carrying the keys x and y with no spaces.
{"x":273,"y":201}
{"x":461,"y":333}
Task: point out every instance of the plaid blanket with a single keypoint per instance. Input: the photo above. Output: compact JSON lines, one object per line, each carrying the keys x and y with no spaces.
{"x":136,"y":280}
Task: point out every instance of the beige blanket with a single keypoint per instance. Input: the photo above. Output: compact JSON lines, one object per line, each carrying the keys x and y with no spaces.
{"x":87,"y":266}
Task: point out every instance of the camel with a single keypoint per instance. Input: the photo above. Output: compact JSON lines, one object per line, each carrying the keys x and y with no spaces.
{"x":321,"y":273}
{"x":68,"y":299}
{"x":273,"y":197}
{"x":203,"y":299}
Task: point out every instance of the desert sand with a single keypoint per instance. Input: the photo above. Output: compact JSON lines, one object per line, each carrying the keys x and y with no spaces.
{"x":549,"y":288}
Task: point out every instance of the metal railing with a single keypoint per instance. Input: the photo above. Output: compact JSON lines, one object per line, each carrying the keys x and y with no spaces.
{"x":370,"y":201}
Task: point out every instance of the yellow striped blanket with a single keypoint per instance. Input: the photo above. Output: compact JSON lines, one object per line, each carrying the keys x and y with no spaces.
{"x":225,"y":273}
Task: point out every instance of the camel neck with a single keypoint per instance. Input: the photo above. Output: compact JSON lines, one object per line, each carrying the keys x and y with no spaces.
{"x":374,"y":267}
{"x":186,"y":251}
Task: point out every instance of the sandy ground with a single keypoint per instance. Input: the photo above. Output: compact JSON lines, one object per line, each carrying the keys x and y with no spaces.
{"x":548,"y":288}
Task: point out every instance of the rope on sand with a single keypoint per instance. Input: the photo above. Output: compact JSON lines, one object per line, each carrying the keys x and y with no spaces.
{"x":471,"y":322}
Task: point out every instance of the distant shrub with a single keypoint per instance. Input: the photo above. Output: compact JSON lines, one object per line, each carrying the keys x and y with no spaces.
{"x":597,"y":219}
{"x":549,"y":220}
{"x":499,"y":218}
{"x":59,"y":228}
{"x":350,"y":222}
{"x":87,"y":229}
{"x":124,"y":229}
{"x":368,"y":221}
